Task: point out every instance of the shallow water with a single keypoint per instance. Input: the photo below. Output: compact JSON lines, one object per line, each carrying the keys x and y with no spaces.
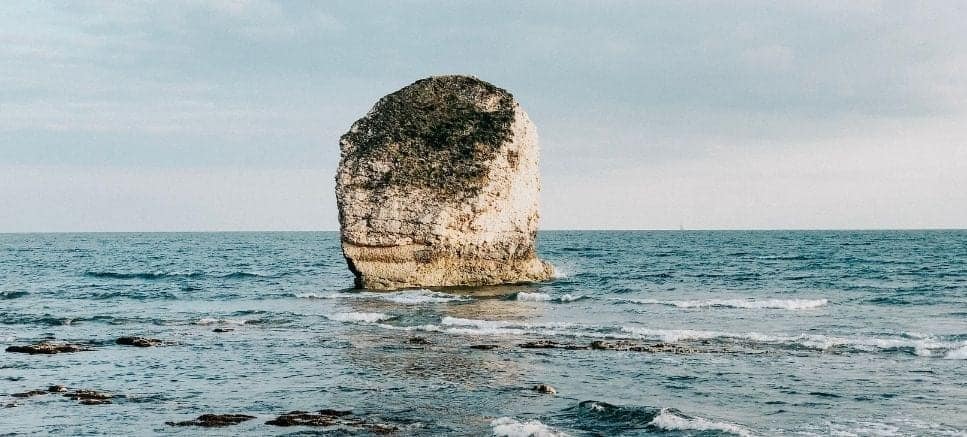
{"x":797,"y":333}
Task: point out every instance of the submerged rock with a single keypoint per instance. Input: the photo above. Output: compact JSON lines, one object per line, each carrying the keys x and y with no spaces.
{"x":47,"y":348}
{"x":484,"y":347}
{"x":213,"y":420}
{"x":437,"y":186}
{"x":139,"y":341}
{"x":30,"y":393}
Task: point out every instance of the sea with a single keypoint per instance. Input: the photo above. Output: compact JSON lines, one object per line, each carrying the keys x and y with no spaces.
{"x":675,"y":333}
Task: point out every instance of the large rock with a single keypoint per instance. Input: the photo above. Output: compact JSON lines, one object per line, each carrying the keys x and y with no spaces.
{"x":437,"y":186}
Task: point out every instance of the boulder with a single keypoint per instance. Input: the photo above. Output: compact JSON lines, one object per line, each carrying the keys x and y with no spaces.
{"x":437,"y":186}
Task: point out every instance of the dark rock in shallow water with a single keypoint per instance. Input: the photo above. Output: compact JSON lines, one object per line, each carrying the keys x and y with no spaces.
{"x":214,"y":420}
{"x":639,"y":347}
{"x":327,"y":418}
{"x":304,"y":418}
{"x":30,"y":393}
{"x":550,"y":344}
{"x":47,"y":348}
{"x":139,"y":341}
{"x":484,"y":347}
{"x":545,"y":389}
{"x":223,"y":329}
{"x":418,"y":340}
{"x":90,"y":397}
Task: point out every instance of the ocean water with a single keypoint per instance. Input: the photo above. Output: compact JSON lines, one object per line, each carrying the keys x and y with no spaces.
{"x":763,"y":333}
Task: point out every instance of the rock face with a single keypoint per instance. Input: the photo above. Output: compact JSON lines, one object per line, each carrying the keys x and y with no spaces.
{"x":437,"y":186}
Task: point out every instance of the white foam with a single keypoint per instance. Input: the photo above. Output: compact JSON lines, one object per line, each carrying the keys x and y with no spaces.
{"x":784,"y":304}
{"x":359,"y":317}
{"x":533,"y":297}
{"x":214,"y":321}
{"x":317,"y":296}
{"x":670,"y":421}
{"x":957,"y":354}
{"x":419,"y":296}
{"x":558,"y":272}
{"x":404,"y":297}
{"x":544,"y":297}
{"x":924,"y":347}
{"x":508,"y":427}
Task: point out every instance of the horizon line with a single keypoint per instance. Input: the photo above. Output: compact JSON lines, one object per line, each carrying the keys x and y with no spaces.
{"x":254,"y":231}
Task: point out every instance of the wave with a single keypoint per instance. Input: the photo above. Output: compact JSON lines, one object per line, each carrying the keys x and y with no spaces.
{"x":404,"y":297}
{"x":785,"y":304}
{"x":214,"y":321}
{"x":359,"y":317}
{"x":173,"y":275}
{"x":544,"y":297}
{"x":6,"y":295}
{"x":957,"y":354}
{"x":924,"y":347}
{"x":672,"y":421}
{"x":509,"y":427}
{"x":142,"y":275}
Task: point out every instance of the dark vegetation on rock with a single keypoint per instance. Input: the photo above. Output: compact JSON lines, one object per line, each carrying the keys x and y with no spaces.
{"x":435,"y":134}
{"x":213,"y":420}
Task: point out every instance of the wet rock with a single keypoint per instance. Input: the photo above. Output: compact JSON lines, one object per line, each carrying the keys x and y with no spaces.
{"x":303,"y":418}
{"x":89,"y":397}
{"x":47,"y":348}
{"x":223,"y":329}
{"x":418,"y":340}
{"x":94,"y":401}
{"x":328,"y":418}
{"x":545,"y":389}
{"x":139,"y":341}
{"x":30,"y":393}
{"x":213,"y":420}
{"x":485,"y":347}
{"x":437,"y":186}
{"x":628,"y":346}
{"x":550,"y":344}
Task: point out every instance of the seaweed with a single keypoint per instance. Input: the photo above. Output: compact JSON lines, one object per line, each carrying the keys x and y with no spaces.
{"x":436,"y":133}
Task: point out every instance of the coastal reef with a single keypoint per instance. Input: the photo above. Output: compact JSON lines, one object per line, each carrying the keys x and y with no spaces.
{"x":438,"y":186}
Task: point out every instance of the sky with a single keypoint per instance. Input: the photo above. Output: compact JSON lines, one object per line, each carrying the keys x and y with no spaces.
{"x":225,"y":115}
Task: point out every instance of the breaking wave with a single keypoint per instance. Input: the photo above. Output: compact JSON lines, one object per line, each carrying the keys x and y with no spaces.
{"x":509,"y":427}
{"x":785,"y":304}
{"x":405,"y":297}
{"x":544,"y":297}
{"x":215,"y":321}
{"x":359,"y":317}
{"x":671,"y":421}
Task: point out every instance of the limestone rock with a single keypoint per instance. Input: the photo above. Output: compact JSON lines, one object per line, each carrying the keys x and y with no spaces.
{"x":437,"y":186}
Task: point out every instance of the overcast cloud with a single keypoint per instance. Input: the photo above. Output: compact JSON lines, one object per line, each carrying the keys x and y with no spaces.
{"x":225,"y":115}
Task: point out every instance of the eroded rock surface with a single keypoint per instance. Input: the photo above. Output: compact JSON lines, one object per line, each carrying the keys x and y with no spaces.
{"x":437,"y":186}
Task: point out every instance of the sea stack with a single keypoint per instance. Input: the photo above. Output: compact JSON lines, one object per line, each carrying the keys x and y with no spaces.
{"x":437,"y":186}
